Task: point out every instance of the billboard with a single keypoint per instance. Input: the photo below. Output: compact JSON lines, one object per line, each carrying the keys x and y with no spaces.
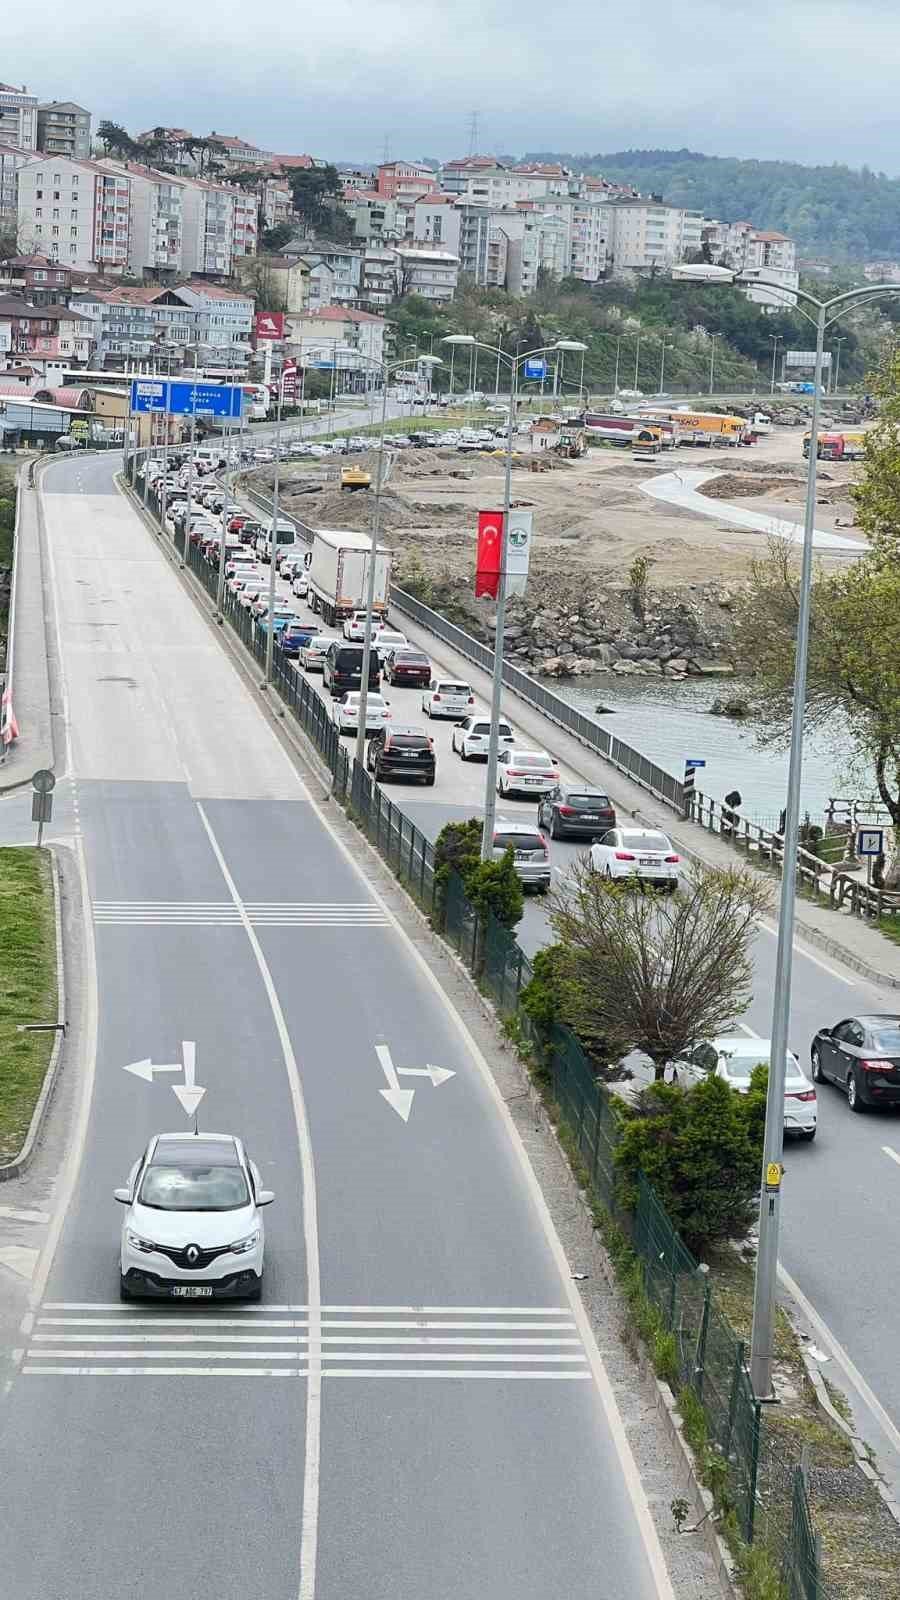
{"x":269,"y":325}
{"x":805,"y":358}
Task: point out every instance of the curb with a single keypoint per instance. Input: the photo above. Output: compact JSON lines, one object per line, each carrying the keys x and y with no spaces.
{"x":26,"y":478}
{"x":20,"y":1163}
{"x":860,"y":1453}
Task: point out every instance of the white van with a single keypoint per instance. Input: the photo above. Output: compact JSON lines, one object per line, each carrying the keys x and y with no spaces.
{"x":210,"y":455}
{"x":286,"y":536}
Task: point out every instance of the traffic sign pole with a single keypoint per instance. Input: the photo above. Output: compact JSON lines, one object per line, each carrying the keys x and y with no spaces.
{"x":688,"y":785}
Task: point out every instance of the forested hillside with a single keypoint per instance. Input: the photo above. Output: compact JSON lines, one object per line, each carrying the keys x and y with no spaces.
{"x":836,"y":212}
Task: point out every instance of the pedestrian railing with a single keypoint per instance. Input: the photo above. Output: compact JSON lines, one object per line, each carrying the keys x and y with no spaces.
{"x":758,"y":1481}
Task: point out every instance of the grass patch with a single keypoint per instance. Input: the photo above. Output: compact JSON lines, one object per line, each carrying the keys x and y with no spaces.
{"x":890,"y":927}
{"x":27,"y":987}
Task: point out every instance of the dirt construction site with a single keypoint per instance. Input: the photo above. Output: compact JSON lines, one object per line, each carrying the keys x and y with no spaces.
{"x":591,"y":518}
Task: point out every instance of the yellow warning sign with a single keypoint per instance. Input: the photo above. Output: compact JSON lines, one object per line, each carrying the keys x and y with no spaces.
{"x":773,"y":1175}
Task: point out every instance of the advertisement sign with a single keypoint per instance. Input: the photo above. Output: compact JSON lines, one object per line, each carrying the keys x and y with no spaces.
{"x":805,"y":358}
{"x":289,"y":380}
{"x":487,"y":561}
{"x":518,"y":550}
{"x":269,"y":325}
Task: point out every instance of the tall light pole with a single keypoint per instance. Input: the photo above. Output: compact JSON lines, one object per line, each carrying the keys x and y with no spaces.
{"x":637,"y":360}
{"x":662,"y":363}
{"x":826,"y":312}
{"x":386,"y":370}
{"x":837,"y":366}
{"x":776,"y":339}
{"x":513,"y":363}
{"x":616,"y":374}
{"x":273,"y":548}
{"x":712,"y":362}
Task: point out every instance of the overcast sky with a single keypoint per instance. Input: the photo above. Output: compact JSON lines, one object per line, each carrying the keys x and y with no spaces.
{"x":807,"y":80}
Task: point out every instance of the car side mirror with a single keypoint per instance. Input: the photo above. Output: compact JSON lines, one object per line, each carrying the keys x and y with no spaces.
{"x":123,"y":1196}
{"x":265,"y":1197}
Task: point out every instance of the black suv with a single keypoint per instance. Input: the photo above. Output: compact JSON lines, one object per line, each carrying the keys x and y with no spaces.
{"x":342,"y":668}
{"x":574,"y":811}
{"x":396,"y":752}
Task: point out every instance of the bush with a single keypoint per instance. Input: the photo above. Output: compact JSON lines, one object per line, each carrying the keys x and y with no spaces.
{"x":541,"y":998}
{"x":701,"y":1149}
{"x":494,"y":887}
{"x":457,"y":849}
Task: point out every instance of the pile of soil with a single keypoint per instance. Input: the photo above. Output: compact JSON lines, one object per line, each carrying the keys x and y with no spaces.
{"x":734,"y":486}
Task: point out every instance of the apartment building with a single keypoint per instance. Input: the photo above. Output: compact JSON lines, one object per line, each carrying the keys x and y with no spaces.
{"x":64,"y":129}
{"x":405,"y":181}
{"x":38,"y":279}
{"x":375,"y":217}
{"x":647,"y":235}
{"x":536,"y":243}
{"x":483,"y":180}
{"x":199,"y":318}
{"x":155,"y":234}
{"x":428,"y":272}
{"x":436,"y":220}
{"x":237,"y":154}
{"x":220,"y":226}
{"x":223,"y":317}
{"x":43,"y":333}
{"x":77,"y":212}
{"x":750,"y":250}
{"x":12,"y":157}
{"x":380,"y":276}
{"x":18,"y":116}
{"x":276,"y":204}
{"x":587,"y":221}
{"x":337,"y":335}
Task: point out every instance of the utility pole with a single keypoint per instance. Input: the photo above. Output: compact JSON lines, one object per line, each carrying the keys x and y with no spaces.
{"x":776,"y":339}
{"x":712,"y":361}
{"x":837,"y":366}
{"x":637,"y":360}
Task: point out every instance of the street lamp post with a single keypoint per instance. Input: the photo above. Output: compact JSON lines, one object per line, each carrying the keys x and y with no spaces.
{"x":513,"y":363}
{"x":637,"y":360}
{"x":273,"y":547}
{"x":826,"y":312}
{"x":616,"y":374}
{"x":837,"y":366}
{"x":712,"y":362}
{"x":662,"y":363}
{"x":776,"y":339}
{"x":386,"y":370}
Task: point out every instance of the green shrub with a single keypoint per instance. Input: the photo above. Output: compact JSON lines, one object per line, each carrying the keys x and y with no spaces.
{"x":494,"y":886}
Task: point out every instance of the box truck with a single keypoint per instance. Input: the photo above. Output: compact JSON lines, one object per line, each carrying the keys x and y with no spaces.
{"x":338,"y":570}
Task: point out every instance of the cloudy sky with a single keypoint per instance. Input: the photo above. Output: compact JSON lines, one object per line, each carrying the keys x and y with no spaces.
{"x":808,"y":80}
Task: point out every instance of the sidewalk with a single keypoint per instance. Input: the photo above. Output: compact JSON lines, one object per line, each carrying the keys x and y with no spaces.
{"x":843,"y":937}
{"x":30,"y":681}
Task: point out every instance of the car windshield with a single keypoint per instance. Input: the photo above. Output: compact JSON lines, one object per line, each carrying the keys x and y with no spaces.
{"x":646,"y":841}
{"x":588,"y":802}
{"x":453,"y":688}
{"x":186,"y":1188}
{"x":886,"y":1041}
{"x":413,"y":657}
{"x":410,"y":741}
{"x":519,"y":841}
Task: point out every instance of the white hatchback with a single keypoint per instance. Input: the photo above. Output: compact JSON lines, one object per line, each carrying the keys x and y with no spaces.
{"x":193,"y":1229}
{"x":472,"y":737}
{"x":345,"y":712}
{"x":526,"y":772}
{"x":447,"y":697}
{"x":639,"y":853}
{"x":312,"y":654}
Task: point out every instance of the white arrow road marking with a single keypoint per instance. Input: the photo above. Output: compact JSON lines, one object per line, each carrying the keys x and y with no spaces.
{"x":400,"y":1100}
{"x":438,"y":1075}
{"x":146,"y":1068}
{"x":891,"y":1153}
{"x":189,"y":1094}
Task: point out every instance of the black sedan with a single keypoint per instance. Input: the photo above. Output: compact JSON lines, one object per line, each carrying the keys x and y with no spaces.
{"x":862,"y":1056}
{"x":572,"y":811}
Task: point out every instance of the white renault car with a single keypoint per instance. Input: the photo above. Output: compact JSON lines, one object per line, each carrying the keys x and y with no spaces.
{"x":526,"y":772}
{"x":193,"y":1229}
{"x":639,"y":853}
{"x":733,"y":1057}
{"x":448,"y":697}
{"x":345,"y":712}
{"x":472,"y":737}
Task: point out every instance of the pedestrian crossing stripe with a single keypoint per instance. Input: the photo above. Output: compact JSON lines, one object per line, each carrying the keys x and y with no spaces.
{"x":225,"y":913}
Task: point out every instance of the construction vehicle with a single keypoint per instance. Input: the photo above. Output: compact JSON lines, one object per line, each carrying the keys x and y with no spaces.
{"x":647,"y":440}
{"x":838,"y":446}
{"x":571,"y":445}
{"x":355,"y":478}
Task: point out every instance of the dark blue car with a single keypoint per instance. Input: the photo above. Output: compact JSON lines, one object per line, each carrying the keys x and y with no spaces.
{"x":295,"y":636}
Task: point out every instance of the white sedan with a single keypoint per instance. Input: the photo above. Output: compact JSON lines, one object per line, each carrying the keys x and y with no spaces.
{"x":193,"y":1229}
{"x":526,"y":772}
{"x":447,"y":697}
{"x":639,"y":853}
{"x":734,"y":1056}
{"x":472,"y":737}
{"x":345,"y":712}
{"x":386,"y":640}
{"x":300,"y":583}
{"x":312,"y":655}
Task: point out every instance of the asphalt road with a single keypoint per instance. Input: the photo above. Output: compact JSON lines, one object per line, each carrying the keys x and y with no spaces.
{"x":417,"y":1408}
{"x":839,"y":1246}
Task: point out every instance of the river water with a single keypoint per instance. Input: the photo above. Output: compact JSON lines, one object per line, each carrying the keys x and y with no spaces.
{"x":668,"y":721}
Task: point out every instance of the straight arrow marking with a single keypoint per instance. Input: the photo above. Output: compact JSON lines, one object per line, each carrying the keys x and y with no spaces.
{"x":400,"y":1100}
{"x":189,"y":1094}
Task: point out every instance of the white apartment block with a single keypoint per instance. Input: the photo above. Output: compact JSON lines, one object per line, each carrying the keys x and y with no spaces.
{"x":587,"y":219}
{"x":753,"y":251}
{"x":156,"y":237}
{"x":75,"y":212}
{"x":223,"y":317}
{"x":64,"y":129}
{"x":12,"y":157}
{"x":536,"y":243}
{"x":482,"y":180}
{"x":428,"y":272}
{"x":275,"y":202}
{"x":220,"y":226}
{"x":18,"y":116}
{"x":337,"y":336}
{"x":647,"y":234}
{"x":437,"y":221}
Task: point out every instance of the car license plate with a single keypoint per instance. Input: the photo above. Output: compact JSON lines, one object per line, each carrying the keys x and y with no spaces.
{"x":588,"y":816}
{"x":192,"y":1291}
{"x":648,"y":861}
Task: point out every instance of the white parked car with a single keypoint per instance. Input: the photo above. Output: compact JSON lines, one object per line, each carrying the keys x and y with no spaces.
{"x":640,"y":853}
{"x":734,"y":1056}
{"x":447,"y":697}
{"x":472,"y":737}
{"x":312,"y":655}
{"x":345,"y":712}
{"x":193,"y":1229}
{"x":526,"y":772}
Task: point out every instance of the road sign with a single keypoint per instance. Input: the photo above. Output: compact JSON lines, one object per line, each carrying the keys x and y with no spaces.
{"x":214,"y":399}
{"x":536,"y":367}
{"x":401,"y":1100}
{"x":43,"y":780}
{"x":773,"y":1174}
{"x":870,"y":841}
{"x":189,"y":1093}
{"x":694,"y":761}
{"x":149,"y":394}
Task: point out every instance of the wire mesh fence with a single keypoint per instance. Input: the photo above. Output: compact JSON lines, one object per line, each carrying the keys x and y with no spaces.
{"x":766,"y":1488}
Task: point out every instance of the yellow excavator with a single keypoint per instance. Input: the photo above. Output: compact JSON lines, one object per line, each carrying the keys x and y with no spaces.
{"x":355,"y":478}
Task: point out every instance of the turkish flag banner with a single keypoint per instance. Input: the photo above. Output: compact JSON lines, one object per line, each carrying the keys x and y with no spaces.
{"x":490,"y":548}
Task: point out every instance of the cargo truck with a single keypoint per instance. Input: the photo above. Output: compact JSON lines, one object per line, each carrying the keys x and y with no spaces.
{"x":338,"y":572}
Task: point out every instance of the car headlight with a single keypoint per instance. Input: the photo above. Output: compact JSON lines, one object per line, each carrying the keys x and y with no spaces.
{"x":241,"y":1246}
{"x":137,"y":1243}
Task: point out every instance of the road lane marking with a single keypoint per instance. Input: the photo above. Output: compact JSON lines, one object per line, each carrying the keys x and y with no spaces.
{"x":291,"y":1355}
{"x":295,"y":1372}
{"x":866,"y":1394}
{"x":224,"y":913}
{"x":893,"y":1154}
{"x":309,"y":1527}
{"x":290,"y":1338}
{"x":252,"y":1311}
{"x":802,"y":950}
